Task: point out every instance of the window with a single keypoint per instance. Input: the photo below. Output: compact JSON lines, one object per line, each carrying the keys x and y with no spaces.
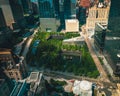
{"x":96,"y":13}
{"x":48,"y":30}
{"x":16,"y":73}
{"x":10,"y":73}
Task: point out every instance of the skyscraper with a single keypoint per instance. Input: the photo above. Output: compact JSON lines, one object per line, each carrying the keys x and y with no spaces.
{"x":11,"y":12}
{"x":6,"y":15}
{"x":17,"y":10}
{"x":35,"y":6}
{"x":98,"y":12}
{"x":70,"y":9}
{"x":26,"y":5}
{"x":2,"y":19}
{"x":99,"y":37}
{"x":46,"y":9}
{"x":48,"y":12}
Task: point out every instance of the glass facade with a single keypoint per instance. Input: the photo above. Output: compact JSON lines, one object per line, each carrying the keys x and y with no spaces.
{"x":99,"y":37}
{"x":46,"y":9}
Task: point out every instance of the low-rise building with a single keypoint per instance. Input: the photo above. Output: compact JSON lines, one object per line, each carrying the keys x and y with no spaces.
{"x":72,"y":25}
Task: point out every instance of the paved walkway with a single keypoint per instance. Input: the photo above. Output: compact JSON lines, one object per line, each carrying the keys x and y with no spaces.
{"x":103,"y":74}
{"x":108,"y":67}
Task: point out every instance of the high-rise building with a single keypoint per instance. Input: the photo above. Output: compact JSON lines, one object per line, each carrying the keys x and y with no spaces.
{"x":20,"y":89}
{"x":57,"y":8}
{"x":35,"y":6}
{"x":56,"y":11}
{"x":6,"y":15}
{"x":47,"y":12}
{"x":27,"y":6}
{"x":117,"y":69}
{"x":11,"y":12}
{"x":82,"y":7}
{"x":12,"y":65}
{"x":99,"y":36}
{"x":4,"y":89}
{"x":46,"y":9}
{"x":17,"y":10}
{"x":98,"y":12}
{"x":2,"y":19}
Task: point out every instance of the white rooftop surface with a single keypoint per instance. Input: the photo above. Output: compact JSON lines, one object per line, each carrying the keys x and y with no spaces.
{"x":76,"y":89}
{"x":74,"y":39}
{"x":82,"y":87}
{"x":102,"y":26}
{"x":34,"y":76}
{"x":85,"y":85}
{"x":71,"y":20}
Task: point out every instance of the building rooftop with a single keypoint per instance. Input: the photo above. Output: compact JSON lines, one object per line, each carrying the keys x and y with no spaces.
{"x":94,"y":3}
{"x":34,"y":80}
{"x":71,"y":20}
{"x":34,"y":76}
{"x":102,"y":26}
{"x":81,"y":87}
{"x":85,"y":85}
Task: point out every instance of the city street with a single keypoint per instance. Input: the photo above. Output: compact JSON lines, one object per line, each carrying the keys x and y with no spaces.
{"x":26,"y":49}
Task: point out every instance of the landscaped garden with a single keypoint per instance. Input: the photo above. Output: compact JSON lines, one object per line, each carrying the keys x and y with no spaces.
{"x":56,"y":88}
{"x":51,"y":54}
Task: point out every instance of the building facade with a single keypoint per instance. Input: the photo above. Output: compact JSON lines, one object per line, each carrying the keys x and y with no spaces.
{"x":117,"y":69}
{"x":99,"y":36}
{"x":37,"y":84}
{"x":12,"y":65}
{"x":4,"y":89}
{"x":98,"y":12}
{"x":6,"y":14}
{"x":71,"y":25}
{"x":11,"y":12}
{"x":19,"y":89}
{"x":2,"y":19}
{"x":48,"y":20}
{"x":70,"y":9}
{"x":27,"y":6}
{"x":17,"y":11}
{"x":56,"y":11}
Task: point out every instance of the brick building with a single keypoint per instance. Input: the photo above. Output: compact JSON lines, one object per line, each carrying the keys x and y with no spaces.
{"x":12,"y":65}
